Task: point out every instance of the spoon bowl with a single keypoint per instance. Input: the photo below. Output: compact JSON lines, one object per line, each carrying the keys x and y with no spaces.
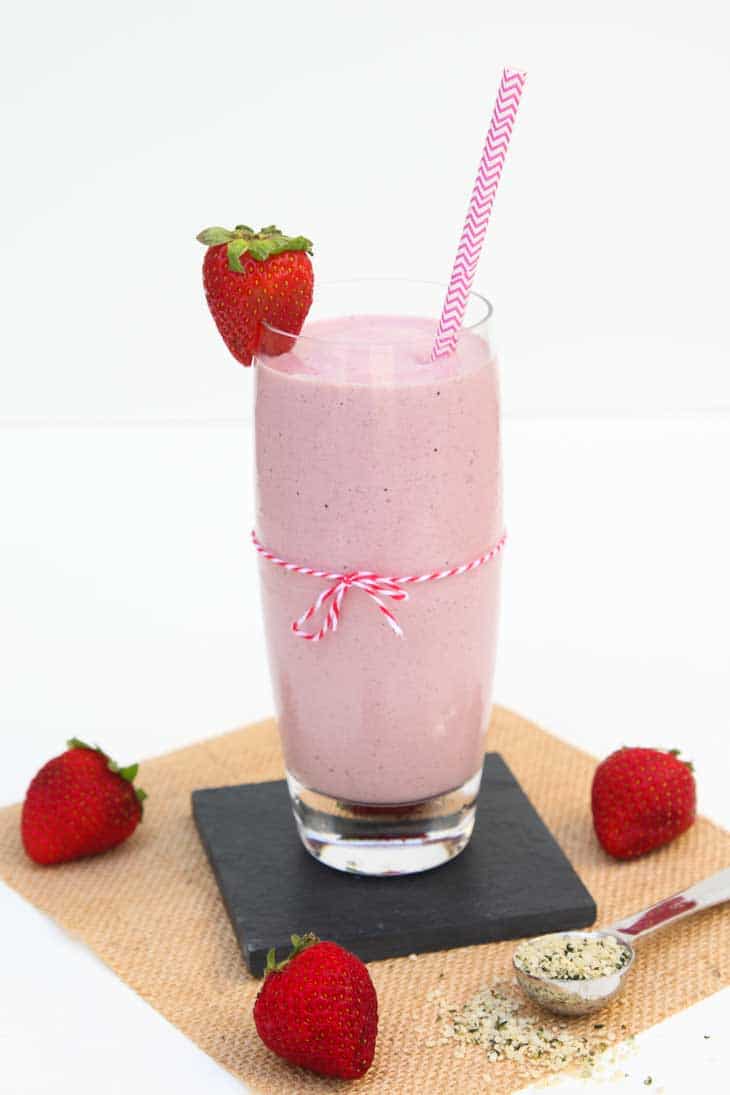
{"x":575,"y":997}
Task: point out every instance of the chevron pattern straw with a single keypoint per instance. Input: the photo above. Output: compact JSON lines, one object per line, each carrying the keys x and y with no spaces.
{"x":480,"y":208}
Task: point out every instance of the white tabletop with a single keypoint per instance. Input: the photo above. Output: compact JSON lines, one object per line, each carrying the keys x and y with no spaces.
{"x":130,"y":616}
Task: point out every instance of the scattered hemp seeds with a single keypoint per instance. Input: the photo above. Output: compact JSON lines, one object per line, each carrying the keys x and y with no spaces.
{"x":571,"y":958}
{"x":497,"y":1020}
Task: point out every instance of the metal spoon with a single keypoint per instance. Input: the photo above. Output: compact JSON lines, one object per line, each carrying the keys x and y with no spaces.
{"x":584,"y":997}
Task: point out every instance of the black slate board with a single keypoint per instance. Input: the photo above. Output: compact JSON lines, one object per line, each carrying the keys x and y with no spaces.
{"x":511,"y":881}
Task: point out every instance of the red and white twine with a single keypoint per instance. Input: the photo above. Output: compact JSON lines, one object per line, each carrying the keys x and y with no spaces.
{"x":375,"y":585}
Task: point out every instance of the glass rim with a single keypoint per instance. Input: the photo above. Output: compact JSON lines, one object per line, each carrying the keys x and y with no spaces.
{"x":487,"y":306}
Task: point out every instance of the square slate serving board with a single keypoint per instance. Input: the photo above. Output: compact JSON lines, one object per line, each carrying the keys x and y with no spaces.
{"x":511,"y":881}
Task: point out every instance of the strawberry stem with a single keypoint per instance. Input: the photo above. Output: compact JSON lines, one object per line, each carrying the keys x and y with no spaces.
{"x":259,"y":245}
{"x":128,"y":773}
{"x":299,"y":943}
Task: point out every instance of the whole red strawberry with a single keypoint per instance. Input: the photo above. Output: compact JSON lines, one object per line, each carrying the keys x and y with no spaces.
{"x":80,"y":803}
{"x":256,"y":278}
{"x":318,"y":1009}
{"x":641,"y":799}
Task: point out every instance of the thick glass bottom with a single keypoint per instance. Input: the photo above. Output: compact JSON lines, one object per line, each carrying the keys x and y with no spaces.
{"x":385,"y":840}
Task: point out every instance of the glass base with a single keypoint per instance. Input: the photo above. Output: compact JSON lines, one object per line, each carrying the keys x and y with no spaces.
{"x":385,"y":840}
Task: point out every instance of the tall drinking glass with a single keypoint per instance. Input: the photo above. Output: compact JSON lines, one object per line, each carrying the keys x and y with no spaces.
{"x":372,"y":460}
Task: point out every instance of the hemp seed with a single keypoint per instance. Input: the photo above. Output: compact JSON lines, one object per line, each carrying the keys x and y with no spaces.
{"x":566,"y":958}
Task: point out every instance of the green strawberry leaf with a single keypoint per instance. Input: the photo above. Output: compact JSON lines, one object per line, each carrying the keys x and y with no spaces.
{"x":298,"y":243}
{"x":235,"y":249}
{"x":211,"y":237}
{"x":76,"y":743}
{"x":129,"y":773}
{"x":259,"y":249}
{"x":299,"y":943}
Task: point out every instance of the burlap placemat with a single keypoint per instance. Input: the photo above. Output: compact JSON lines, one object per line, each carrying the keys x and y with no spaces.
{"x":151,"y":911}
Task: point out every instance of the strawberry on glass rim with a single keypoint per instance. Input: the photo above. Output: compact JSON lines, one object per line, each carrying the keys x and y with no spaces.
{"x":258,"y":285}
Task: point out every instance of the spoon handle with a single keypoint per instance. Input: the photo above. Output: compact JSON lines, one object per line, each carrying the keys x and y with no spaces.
{"x":703,"y":895}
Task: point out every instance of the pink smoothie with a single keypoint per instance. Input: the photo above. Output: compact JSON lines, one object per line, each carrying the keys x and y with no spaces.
{"x":368,"y":457}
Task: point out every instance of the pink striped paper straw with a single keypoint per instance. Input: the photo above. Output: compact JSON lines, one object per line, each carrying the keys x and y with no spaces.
{"x":480,"y":208}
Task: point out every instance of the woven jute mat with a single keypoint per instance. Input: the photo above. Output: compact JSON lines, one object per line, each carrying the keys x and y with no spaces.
{"x":150,"y":909}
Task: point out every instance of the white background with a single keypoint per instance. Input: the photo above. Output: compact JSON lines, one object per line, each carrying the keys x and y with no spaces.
{"x":127,"y":591}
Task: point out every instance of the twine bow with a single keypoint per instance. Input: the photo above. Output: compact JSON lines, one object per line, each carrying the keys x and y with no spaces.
{"x":373,"y":584}
{"x":370,"y":583}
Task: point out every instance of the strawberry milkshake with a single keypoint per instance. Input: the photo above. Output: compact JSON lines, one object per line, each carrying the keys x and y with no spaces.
{"x":379,"y":526}
{"x":369,"y":457}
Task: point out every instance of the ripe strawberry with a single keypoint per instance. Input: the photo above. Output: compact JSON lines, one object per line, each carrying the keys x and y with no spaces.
{"x":318,"y":1009}
{"x":251,"y":277}
{"x":80,"y":803}
{"x":641,"y":799}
